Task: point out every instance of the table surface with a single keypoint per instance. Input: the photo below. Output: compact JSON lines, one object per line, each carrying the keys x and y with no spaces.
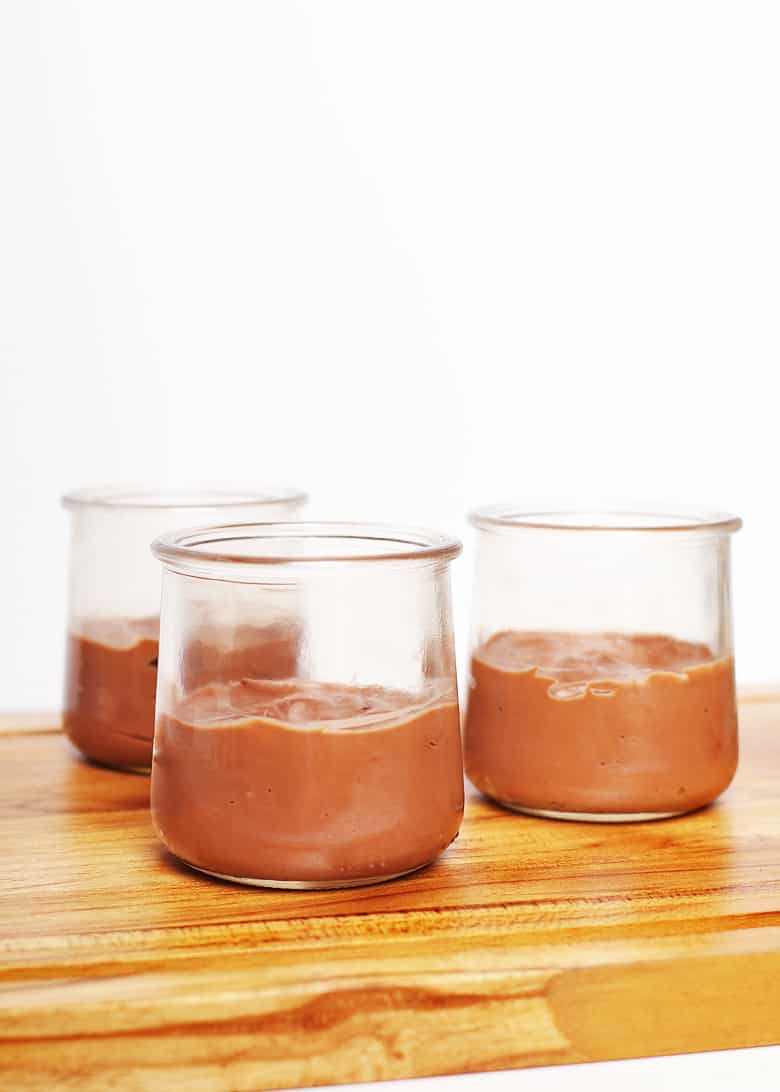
{"x":529,"y":942}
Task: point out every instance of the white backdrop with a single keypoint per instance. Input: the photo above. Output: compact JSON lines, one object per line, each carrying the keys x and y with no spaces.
{"x":410,"y":255}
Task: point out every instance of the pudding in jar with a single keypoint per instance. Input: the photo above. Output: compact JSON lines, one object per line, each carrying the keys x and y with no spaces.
{"x":303,"y":784}
{"x":600,"y":726}
{"x":110,"y":682}
{"x":347,"y":769}
{"x":113,"y":627}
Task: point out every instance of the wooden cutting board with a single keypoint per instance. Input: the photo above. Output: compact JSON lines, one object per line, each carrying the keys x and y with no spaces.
{"x":529,"y":943}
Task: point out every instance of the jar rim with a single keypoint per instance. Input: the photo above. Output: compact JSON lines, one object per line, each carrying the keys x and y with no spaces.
{"x":346,"y":543}
{"x":633,"y":518}
{"x":152,"y":497}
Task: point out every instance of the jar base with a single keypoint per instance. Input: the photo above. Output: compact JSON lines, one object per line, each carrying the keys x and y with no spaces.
{"x":304,"y":885}
{"x":595,"y":816}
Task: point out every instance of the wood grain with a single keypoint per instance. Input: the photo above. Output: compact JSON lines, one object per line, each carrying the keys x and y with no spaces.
{"x":530,"y":942}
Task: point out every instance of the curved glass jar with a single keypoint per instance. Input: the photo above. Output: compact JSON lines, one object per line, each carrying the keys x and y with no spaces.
{"x":114,"y":606}
{"x":602,"y":671}
{"x":335,"y":761}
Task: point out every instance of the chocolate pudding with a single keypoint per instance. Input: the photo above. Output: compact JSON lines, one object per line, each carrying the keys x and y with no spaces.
{"x":111,"y":679}
{"x":294,"y":783}
{"x":110,"y":682}
{"x":600,"y":725}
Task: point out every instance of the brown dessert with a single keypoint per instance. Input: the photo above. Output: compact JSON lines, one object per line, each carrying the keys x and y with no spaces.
{"x":305,"y":783}
{"x":222,"y":653}
{"x":110,"y":682}
{"x":600,"y":724}
{"x":111,"y":679}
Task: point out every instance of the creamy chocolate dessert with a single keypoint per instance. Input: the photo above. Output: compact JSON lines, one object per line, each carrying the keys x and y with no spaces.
{"x":307,"y":784}
{"x":219,"y":654}
{"x":111,"y":679}
{"x":110,"y":682}
{"x":600,"y":725}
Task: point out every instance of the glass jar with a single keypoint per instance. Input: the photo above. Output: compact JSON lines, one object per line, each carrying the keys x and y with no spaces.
{"x":602,"y":670}
{"x":345,"y":768}
{"x":114,"y":606}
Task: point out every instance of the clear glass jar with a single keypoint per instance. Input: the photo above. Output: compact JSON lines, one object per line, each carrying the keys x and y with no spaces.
{"x":114,"y":606}
{"x":345,"y":768}
{"x":602,"y":671}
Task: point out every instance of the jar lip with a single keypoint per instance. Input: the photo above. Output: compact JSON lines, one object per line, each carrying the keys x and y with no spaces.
{"x":196,"y":547}
{"x":662,"y":518}
{"x":152,"y":497}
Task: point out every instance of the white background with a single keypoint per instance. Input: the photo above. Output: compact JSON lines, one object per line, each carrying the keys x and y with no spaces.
{"x":410,"y":255}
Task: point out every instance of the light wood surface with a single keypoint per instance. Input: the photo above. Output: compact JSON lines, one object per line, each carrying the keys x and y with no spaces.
{"x":530,"y":942}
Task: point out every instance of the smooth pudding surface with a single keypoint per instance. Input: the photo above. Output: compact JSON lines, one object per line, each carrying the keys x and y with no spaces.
{"x":307,"y":782}
{"x":608,"y":723}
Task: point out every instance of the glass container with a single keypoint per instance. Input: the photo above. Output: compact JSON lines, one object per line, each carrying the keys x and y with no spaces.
{"x":114,"y":605}
{"x":336,"y":761}
{"x":602,"y":669}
